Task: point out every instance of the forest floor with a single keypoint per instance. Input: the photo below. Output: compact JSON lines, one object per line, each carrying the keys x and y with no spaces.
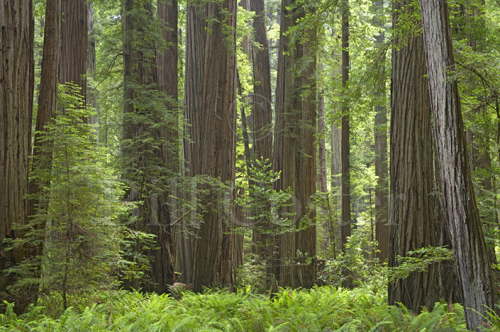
{"x":320,"y":309}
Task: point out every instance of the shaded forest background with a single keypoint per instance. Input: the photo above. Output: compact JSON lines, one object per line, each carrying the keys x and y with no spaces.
{"x":157,"y":145}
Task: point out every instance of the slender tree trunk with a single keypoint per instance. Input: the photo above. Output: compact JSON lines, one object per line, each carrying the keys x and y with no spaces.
{"x":345,"y":130}
{"x":261,"y":123}
{"x":336,"y":183}
{"x":479,"y":143}
{"x":328,"y":244}
{"x":414,"y":211}
{"x":211,"y":114}
{"x":381,"y":168}
{"x":457,"y":192}
{"x":91,"y":63}
{"x":47,"y":95}
{"x":16,"y":103}
{"x":167,"y":64}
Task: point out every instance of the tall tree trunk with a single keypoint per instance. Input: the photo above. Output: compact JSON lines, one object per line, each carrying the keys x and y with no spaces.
{"x":210,"y":112}
{"x":457,"y":192}
{"x":16,"y":103}
{"x":47,"y":95}
{"x":328,"y":243}
{"x":345,"y":131}
{"x":91,"y":62}
{"x":414,"y":211}
{"x":479,"y":143}
{"x":381,"y":169}
{"x":144,"y":139}
{"x":294,"y":148}
{"x":167,"y":61}
{"x":74,"y":44}
{"x":336,"y":182}
{"x":262,"y":139}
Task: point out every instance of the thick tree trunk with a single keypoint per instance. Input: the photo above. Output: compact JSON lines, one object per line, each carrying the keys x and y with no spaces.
{"x":294,"y":149}
{"x":74,"y":42}
{"x":381,"y":168}
{"x":346,"y":226}
{"x":16,"y":103}
{"x":210,"y":112}
{"x":414,"y":211}
{"x":457,"y":193}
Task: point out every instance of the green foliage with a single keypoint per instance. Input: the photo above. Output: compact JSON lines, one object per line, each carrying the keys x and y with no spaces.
{"x":263,"y":201}
{"x":418,"y":261}
{"x":76,"y":236}
{"x":358,"y":262}
{"x":319,"y":309}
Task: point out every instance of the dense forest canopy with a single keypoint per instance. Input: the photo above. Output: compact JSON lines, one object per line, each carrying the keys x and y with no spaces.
{"x":244,"y":154}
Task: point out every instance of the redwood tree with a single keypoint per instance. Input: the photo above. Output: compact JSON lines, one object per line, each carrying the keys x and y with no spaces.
{"x":294,"y":145}
{"x":210,"y":149}
{"x":261,"y":120}
{"x":74,"y":43}
{"x":48,"y":91}
{"x":345,"y":229}
{"x":457,"y":193}
{"x":144,"y":145}
{"x":16,"y":102}
{"x":381,"y":160}
{"x":414,"y":210}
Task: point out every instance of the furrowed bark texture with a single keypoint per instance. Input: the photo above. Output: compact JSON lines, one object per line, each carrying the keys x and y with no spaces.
{"x":48,"y":93}
{"x":16,"y":102}
{"x":457,"y":193}
{"x":294,"y":149}
{"x":210,"y":113}
{"x":414,"y":211}
{"x":74,"y":41}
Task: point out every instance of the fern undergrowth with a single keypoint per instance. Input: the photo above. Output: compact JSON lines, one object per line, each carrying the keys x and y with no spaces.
{"x":320,"y":309}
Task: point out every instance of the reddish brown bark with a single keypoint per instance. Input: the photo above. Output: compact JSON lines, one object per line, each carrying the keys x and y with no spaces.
{"x":210,"y":112}
{"x":16,"y":102}
{"x":414,"y":210}
{"x":457,"y":192}
{"x":74,"y":42}
{"x":294,"y":148}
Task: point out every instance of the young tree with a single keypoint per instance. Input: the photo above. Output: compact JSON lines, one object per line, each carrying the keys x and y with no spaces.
{"x":16,"y":102}
{"x":414,"y":211}
{"x":210,"y":151}
{"x":294,"y":144}
{"x":145,"y":141}
{"x":457,"y":192}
